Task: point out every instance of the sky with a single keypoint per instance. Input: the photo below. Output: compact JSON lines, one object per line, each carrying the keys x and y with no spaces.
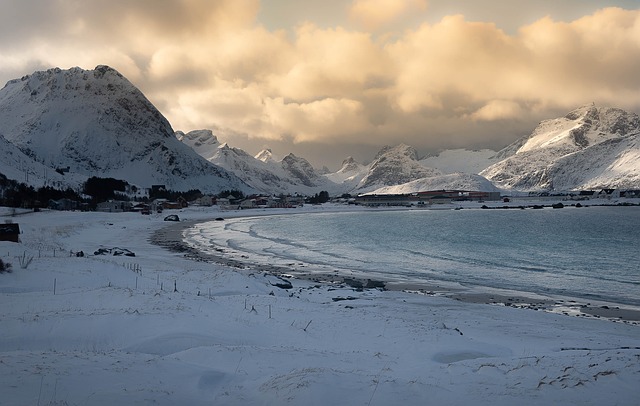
{"x":330,"y":79}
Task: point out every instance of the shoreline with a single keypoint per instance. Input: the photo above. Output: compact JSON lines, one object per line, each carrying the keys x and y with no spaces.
{"x":171,"y":238}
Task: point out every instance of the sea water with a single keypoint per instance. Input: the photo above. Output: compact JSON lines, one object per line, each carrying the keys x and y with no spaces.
{"x":590,"y":252}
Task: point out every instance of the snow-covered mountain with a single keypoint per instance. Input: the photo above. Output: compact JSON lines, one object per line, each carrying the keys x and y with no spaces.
{"x":263,"y":172}
{"x":452,"y":181}
{"x":96,"y":123}
{"x":301,"y":170}
{"x":264,"y":176}
{"x":349,"y":175}
{"x":395,"y":170}
{"x":394,"y":166}
{"x":590,"y":148}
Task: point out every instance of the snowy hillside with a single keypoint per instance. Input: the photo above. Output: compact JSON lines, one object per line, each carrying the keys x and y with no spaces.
{"x":395,"y":166}
{"x":591,"y":147}
{"x":98,"y":124}
{"x":453,"y":181}
{"x":14,"y":164}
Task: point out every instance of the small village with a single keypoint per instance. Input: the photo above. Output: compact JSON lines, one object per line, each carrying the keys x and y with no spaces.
{"x":227,"y":202}
{"x":237,"y":201}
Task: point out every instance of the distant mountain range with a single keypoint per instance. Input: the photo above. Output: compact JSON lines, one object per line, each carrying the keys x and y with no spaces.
{"x":59,"y":127}
{"x":263,"y":172}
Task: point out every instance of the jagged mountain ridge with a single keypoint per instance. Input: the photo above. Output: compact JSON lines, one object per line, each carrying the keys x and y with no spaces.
{"x":98,"y":124}
{"x":263,"y":172}
{"x":350,"y":174}
{"x":257,"y":173}
{"x":393,"y":166}
{"x":301,"y":169}
{"x":590,"y":148}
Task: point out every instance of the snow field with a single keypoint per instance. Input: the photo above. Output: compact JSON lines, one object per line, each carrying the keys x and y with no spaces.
{"x":111,"y":335}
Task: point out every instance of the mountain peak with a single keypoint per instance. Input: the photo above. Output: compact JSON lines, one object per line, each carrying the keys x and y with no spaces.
{"x":399,"y":150}
{"x":393,"y":166}
{"x":198,"y":139}
{"x":265,"y":156}
{"x":588,"y":110}
{"x":581,"y":128}
{"x":349,"y":161}
{"x":571,"y":152}
{"x":98,"y":123}
{"x":301,"y":170}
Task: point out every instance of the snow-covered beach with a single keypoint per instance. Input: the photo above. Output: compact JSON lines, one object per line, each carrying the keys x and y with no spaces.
{"x":168,"y":327}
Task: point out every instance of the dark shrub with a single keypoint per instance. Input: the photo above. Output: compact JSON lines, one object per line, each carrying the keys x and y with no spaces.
{"x":4,"y":267}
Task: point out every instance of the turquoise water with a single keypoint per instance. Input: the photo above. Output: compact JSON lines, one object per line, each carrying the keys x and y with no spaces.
{"x":591,"y":252}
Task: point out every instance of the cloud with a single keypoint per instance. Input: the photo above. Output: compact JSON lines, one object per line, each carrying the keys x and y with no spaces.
{"x":461,"y":65}
{"x":373,"y":14}
{"x":497,"y":110}
{"x":329,"y":63}
{"x":330,"y":116}
{"x":451,"y":83}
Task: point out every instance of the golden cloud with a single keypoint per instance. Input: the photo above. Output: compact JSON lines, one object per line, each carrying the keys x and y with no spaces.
{"x":329,"y":63}
{"x":211,"y":64}
{"x":498,"y":110}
